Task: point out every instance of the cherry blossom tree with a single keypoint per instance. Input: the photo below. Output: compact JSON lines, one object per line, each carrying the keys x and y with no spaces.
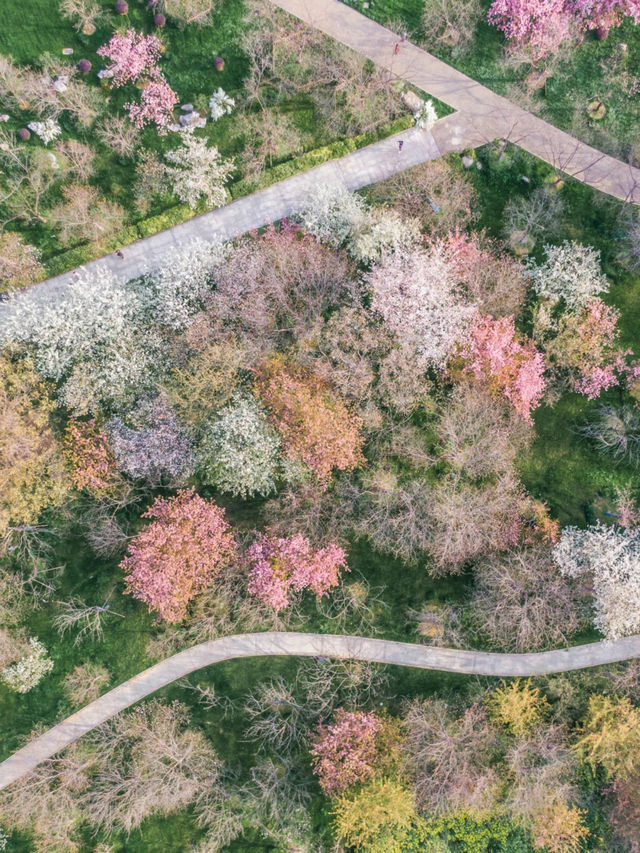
{"x":421,"y":302}
{"x":495,"y":353}
{"x":156,"y":105}
{"x":187,"y":545}
{"x":133,"y":55}
{"x":278,"y":565}
{"x":541,"y":26}
{"x":345,"y":751}
{"x":611,"y":557}
{"x":314,"y":424}
{"x":602,"y":15}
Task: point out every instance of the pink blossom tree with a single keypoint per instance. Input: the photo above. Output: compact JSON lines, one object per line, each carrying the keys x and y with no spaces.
{"x":345,"y":752}
{"x":604,"y":14}
{"x":540,"y":26}
{"x":133,"y":55}
{"x":171,"y":560}
{"x":156,"y":105}
{"x":510,"y":366}
{"x":279,"y":565}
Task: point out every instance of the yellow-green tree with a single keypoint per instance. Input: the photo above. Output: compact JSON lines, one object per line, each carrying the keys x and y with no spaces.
{"x":611,"y":736}
{"x":518,"y":707}
{"x":32,"y":471}
{"x":560,"y":829}
{"x":377,"y":817}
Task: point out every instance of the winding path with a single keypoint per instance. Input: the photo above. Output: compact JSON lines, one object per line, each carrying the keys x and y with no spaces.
{"x":305,"y":645}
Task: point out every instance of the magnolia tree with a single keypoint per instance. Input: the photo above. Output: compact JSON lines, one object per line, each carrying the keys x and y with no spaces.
{"x":495,"y":353}
{"x":157,"y":101}
{"x":419,"y":299}
{"x":239,"y":452}
{"x":152,"y":445}
{"x":279,"y":565}
{"x":611,"y":557}
{"x":314,"y":424}
{"x":91,"y":340}
{"x":187,"y":544}
{"x":198,"y":171}
{"x":346,"y":750}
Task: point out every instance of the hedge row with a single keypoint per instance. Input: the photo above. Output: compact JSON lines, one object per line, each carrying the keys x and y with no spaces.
{"x":181,"y":212}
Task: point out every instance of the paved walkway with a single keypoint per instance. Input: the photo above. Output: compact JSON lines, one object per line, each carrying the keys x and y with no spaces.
{"x":482,"y":114}
{"x":306,"y":645}
{"x":359,"y":169}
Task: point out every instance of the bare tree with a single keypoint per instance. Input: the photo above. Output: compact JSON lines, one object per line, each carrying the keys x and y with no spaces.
{"x":532,"y":218}
{"x":452,"y":24}
{"x":78,"y":158}
{"x":85,"y":216}
{"x":19,"y":262}
{"x":87,"y":620}
{"x":85,"y":683}
{"x":85,"y":14}
{"x":521,"y":603}
{"x":119,"y":134}
{"x":616,"y":432}
{"x":450,"y":757}
{"x":269,"y":136}
{"x":278,"y":720}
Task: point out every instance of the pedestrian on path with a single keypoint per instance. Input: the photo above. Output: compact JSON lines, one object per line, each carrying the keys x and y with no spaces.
{"x":400,"y":144}
{"x":119,"y":253}
{"x":396,"y":49}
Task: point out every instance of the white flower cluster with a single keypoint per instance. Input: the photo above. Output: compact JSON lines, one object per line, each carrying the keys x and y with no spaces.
{"x":26,"y":673}
{"x":420,"y":301}
{"x":198,"y":170}
{"x":179,"y":287}
{"x":612,"y":556}
{"x":384,"y":232}
{"x":220,"y":104}
{"x":571,"y":272}
{"x":332,"y":213}
{"x":426,"y":116}
{"x":240,"y":453}
{"x":47,"y":130}
{"x":91,"y":338}
{"x":4,"y":839}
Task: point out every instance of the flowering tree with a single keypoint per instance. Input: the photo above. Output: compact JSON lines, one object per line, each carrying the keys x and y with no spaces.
{"x":496,"y":355}
{"x":540,"y":26}
{"x":419,"y":299}
{"x":172,"y":559}
{"x":612,"y":558}
{"x":156,"y":105}
{"x":19,"y":262}
{"x":26,"y":673}
{"x":133,"y":55}
{"x":93,"y":464}
{"x":278,"y":565}
{"x":314,"y":424}
{"x":152,"y":446}
{"x":604,"y":14}
{"x":91,"y":340}
{"x":383,"y":233}
{"x":198,"y":171}
{"x":32,"y":474}
{"x":239,"y":452}
{"x":331,"y":213}
{"x":346,"y":750}
{"x":571,"y":273}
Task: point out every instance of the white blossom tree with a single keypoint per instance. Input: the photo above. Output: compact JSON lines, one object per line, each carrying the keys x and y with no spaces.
{"x":572,"y":273}
{"x":239,"y":452}
{"x":331,"y":213}
{"x":419,"y":298}
{"x":30,"y":670}
{"x":198,"y":171}
{"x":382,"y":233}
{"x":92,"y":339}
{"x":179,"y":287}
{"x":612,"y":557}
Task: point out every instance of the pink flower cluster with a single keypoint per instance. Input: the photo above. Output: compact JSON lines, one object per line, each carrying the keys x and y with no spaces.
{"x":174,"y":558}
{"x":346,"y":750}
{"x":135,"y":57}
{"x":542,"y":26}
{"x":463,"y":254}
{"x":514,"y":368}
{"x":278,"y":565}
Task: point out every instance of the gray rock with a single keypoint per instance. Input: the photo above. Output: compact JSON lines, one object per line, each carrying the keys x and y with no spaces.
{"x":105,"y":74}
{"x":467,"y":162}
{"x":412,"y":101}
{"x":187,"y":108}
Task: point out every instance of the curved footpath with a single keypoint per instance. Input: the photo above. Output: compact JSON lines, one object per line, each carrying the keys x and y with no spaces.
{"x":306,"y":645}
